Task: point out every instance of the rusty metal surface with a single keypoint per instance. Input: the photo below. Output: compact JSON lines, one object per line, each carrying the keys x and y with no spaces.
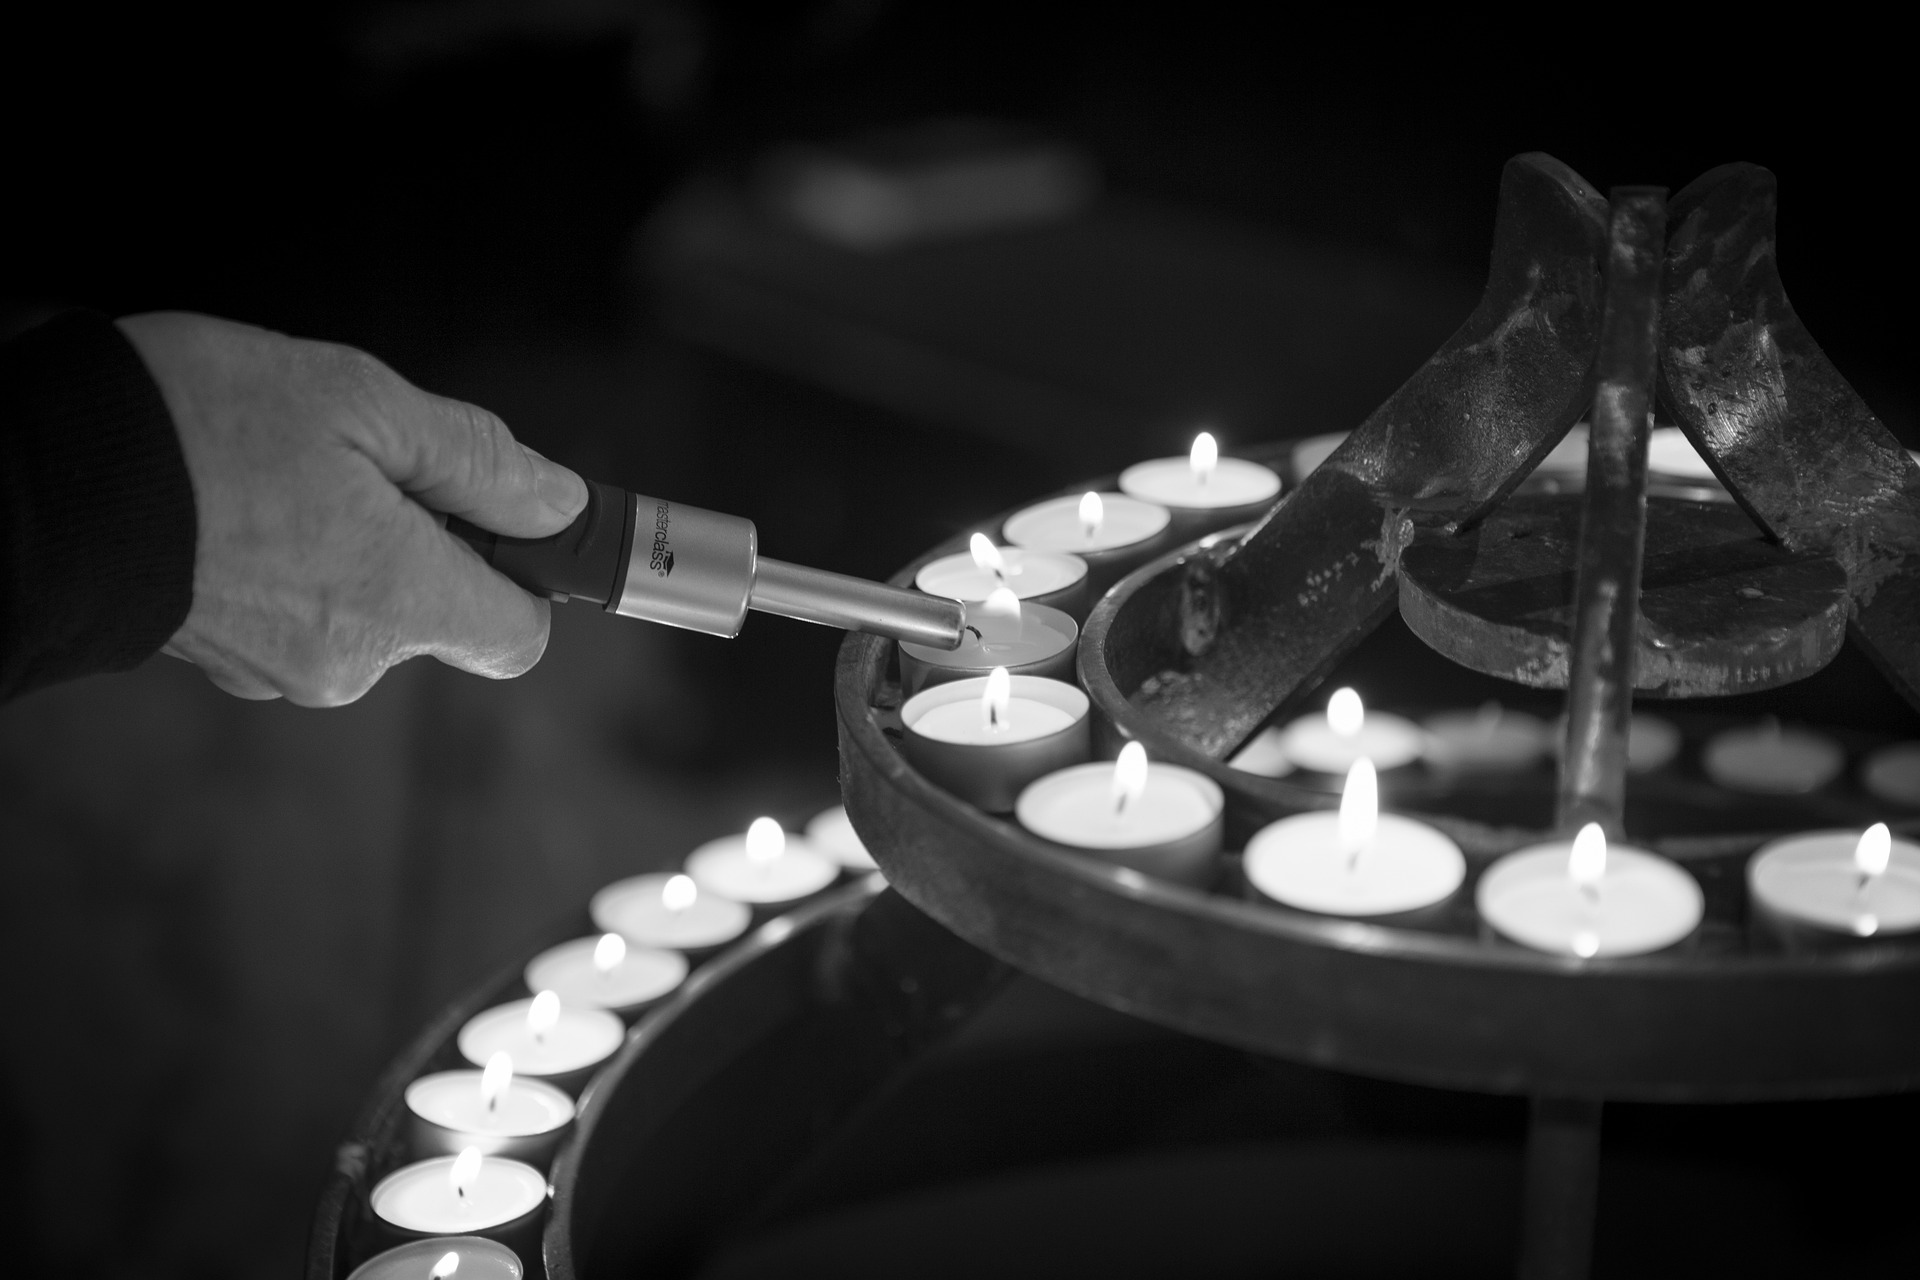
{"x":1318,"y":573}
{"x":1798,"y":448}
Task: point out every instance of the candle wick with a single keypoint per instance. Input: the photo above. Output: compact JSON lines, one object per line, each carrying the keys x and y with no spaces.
{"x":976,"y":632}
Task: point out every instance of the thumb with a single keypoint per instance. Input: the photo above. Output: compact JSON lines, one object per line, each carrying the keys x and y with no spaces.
{"x":456,"y":457}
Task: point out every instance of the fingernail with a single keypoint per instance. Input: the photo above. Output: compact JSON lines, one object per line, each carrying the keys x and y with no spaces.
{"x":559,"y":488}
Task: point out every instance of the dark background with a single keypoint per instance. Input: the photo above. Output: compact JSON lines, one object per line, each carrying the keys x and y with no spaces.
{"x":221,"y":917}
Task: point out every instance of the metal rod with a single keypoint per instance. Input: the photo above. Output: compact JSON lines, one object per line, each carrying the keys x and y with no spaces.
{"x":854,"y":604}
{"x":1562,"y":1188}
{"x":1613,"y":524}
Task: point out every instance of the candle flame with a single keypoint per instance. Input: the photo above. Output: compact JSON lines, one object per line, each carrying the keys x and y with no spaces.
{"x":1204,"y":457}
{"x":1586,"y":944}
{"x":1874,"y":852}
{"x":765,"y":842}
{"x":995,"y":698}
{"x":1129,"y":776}
{"x":609,"y":952}
{"x":448,"y":1264}
{"x":543,"y":1013}
{"x":1002,"y":603}
{"x":986,"y":556}
{"x":1346,"y":715}
{"x":1093,"y":513}
{"x":1587,"y":864}
{"x":497,"y":1077}
{"x":1359,"y":809}
{"x":1866,"y":925}
{"x":465,"y":1171}
{"x":679,"y":893}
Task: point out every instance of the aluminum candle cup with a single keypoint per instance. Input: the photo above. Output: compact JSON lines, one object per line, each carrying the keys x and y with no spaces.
{"x":564,"y":1053}
{"x":1200,"y":499}
{"x":1041,"y":642}
{"x":477,"y":1258}
{"x":832,"y":833}
{"x":500,"y":1199}
{"x":1637,"y":902}
{"x":449,"y":1111}
{"x":765,"y":867}
{"x":1041,"y":728}
{"x":1051,"y":578}
{"x":668,"y":910}
{"x":577,"y":972}
{"x":1303,"y":862}
{"x":1172,"y":827}
{"x":1812,"y":887}
{"x":1126,"y":534}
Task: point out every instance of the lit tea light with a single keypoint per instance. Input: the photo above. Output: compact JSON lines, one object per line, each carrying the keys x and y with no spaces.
{"x":1839,"y":882}
{"x":1489,"y":739}
{"x":1052,"y":578}
{"x":1892,"y":774}
{"x":1112,"y":532}
{"x":542,"y":1037}
{"x":1162,"y":819}
{"x":491,"y":1111}
{"x":985,"y":739}
{"x":458,"y":1257}
{"x":466,"y":1194}
{"x":764,"y":867}
{"x":668,"y":911}
{"x":831,"y":832}
{"x":606,"y":973}
{"x":1357,"y":861}
{"x":1773,"y":759}
{"x":1347,"y":732}
{"x":1203,"y":491}
{"x":1026,"y":639}
{"x":1586,"y":898}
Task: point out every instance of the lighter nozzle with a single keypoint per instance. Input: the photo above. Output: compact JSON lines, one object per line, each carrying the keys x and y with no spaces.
{"x":854,"y":604}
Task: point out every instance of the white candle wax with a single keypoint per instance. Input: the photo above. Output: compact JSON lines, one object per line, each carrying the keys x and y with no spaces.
{"x":455,"y":1101}
{"x":1301,"y":861}
{"x":644,"y":911}
{"x":1771,"y":759}
{"x":832,"y":833}
{"x":1814,"y":878}
{"x":725,"y":867}
{"x":1641,"y":902}
{"x":1173,"y":482}
{"x":985,"y":739}
{"x":1170,"y":827}
{"x":1055,"y":525}
{"x":1893,"y":774}
{"x":577,"y":1039}
{"x":1315,"y":742}
{"x":1265,"y":755}
{"x":1039,"y":641}
{"x":476,"y":1258}
{"x":1025,"y":719}
{"x":1028,"y":574}
{"x":1670,"y":453}
{"x":641,"y":975}
{"x":421,"y":1197}
{"x":1488,"y":738}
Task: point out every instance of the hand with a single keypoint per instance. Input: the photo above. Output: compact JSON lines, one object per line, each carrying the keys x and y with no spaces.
{"x":316,"y":472}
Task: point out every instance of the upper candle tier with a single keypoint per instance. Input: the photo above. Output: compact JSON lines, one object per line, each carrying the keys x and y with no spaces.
{"x":1174,"y":482}
{"x":1072,"y":524}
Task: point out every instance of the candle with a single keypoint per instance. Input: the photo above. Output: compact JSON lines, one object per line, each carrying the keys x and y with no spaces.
{"x":986,"y":739}
{"x":1203,"y":491}
{"x":605,"y":973}
{"x":668,"y":910}
{"x":1052,"y":578}
{"x":1112,"y":532}
{"x":1028,"y":640}
{"x":764,"y":867}
{"x":493,"y":1111}
{"x":1863,"y":883}
{"x":444,"y":1258}
{"x":1892,"y":774}
{"x":467,"y":1194}
{"x":543,"y":1038}
{"x":1584,"y":899}
{"x":1773,"y":760}
{"x":1310,"y":452}
{"x":1265,"y":754}
{"x":1356,"y":862}
{"x":1490,"y":739}
{"x":1164,"y":820}
{"x":1330,"y":743}
{"x":831,"y":832}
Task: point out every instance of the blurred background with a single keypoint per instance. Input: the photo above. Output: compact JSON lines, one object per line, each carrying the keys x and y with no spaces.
{"x":865,"y":272}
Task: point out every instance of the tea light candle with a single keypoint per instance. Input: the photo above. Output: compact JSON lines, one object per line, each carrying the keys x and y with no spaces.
{"x":1311,"y":451}
{"x":541,"y":1036}
{"x":1838,"y":881}
{"x":1357,"y":862}
{"x":668,"y":910}
{"x":1892,"y":774}
{"x":1052,"y":578}
{"x":1490,"y":739}
{"x":466,"y":1194}
{"x":1203,"y":491}
{"x":1770,"y":759}
{"x":986,"y":739}
{"x":1265,"y":755}
{"x":1026,"y":639}
{"x":1164,"y":820}
{"x":832,"y":833}
{"x":443,"y":1258}
{"x":764,"y":867}
{"x":1330,"y":743}
{"x":1584,"y":899}
{"x":491,"y":1111}
{"x":1670,"y":453}
{"x":1112,"y":532}
{"x":605,"y":973}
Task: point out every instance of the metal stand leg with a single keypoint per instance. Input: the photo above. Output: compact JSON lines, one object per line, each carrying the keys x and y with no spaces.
{"x":1563,"y":1184}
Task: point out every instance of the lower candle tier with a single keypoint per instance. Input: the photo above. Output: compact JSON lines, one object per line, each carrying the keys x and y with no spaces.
{"x":1642,"y":903}
{"x":1171,"y":830}
{"x":1811,"y":880}
{"x":579,"y":1039}
{"x":1300,"y":861}
{"x":1042,"y":642}
{"x":422,"y":1198}
{"x":722,"y":867}
{"x":476,"y":1258}
{"x":450,"y":1113}
{"x":636,"y":908}
{"x":644,"y":975}
{"x":1046,"y":729}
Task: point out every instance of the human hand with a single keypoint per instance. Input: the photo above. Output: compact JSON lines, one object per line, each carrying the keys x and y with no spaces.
{"x":316,"y":472}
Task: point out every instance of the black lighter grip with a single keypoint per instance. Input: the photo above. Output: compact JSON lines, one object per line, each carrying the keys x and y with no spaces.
{"x":586,"y":560}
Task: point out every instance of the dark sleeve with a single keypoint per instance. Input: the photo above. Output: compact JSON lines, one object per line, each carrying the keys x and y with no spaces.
{"x":97,"y":523}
